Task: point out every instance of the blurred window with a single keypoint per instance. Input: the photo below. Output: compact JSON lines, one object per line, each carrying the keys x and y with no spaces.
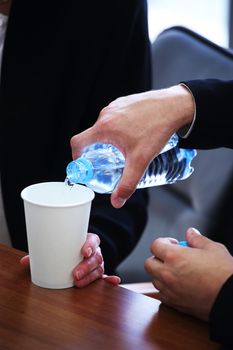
{"x":210,"y":18}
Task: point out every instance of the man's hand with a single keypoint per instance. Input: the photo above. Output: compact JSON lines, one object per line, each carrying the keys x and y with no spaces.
{"x":189,"y":278}
{"x":139,"y":126}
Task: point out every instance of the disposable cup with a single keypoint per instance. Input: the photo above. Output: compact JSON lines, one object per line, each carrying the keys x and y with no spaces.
{"x":57,"y":217}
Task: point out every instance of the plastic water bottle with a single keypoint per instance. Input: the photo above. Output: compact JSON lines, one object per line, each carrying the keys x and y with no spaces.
{"x":101,"y":165}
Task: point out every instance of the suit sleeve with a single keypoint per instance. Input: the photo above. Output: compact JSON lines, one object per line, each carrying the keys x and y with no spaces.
{"x":221,"y":316}
{"x":212,"y":129}
{"x":213,"y":125}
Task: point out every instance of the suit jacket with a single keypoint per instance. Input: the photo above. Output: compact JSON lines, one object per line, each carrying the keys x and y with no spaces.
{"x":62,"y":63}
{"x":213,"y":125}
{"x":213,"y":128}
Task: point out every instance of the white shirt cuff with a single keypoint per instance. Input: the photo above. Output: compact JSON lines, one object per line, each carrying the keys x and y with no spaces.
{"x":186,"y":130}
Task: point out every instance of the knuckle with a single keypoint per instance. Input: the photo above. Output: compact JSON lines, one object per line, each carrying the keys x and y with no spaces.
{"x":154,"y":246}
{"x":99,"y":258}
{"x":93,"y":239}
{"x":100,"y":270}
{"x":103,"y":112}
{"x":97,"y":239}
{"x":73,"y":141}
{"x":148,"y":264}
{"x":220,"y":245}
{"x":170,"y":256}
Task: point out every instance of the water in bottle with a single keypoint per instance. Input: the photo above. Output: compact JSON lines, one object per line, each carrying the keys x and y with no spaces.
{"x":101,"y":166}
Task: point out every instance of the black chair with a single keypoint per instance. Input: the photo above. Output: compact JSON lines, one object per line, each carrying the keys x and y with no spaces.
{"x":200,"y":201}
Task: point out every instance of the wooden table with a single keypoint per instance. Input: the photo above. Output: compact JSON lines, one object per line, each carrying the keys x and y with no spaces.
{"x":100,"y":316}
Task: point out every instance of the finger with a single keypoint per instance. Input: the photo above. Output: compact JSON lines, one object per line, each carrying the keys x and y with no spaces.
{"x":161,"y":246}
{"x":196,"y":240}
{"x":153,"y":266}
{"x":91,"y":277}
{"x":25,"y":260}
{"x":90,"y":246}
{"x":112,"y":279}
{"x":88,"y":265}
{"x":170,"y":240}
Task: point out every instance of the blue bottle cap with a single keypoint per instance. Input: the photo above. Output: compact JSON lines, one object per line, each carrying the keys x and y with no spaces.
{"x":79,"y":171}
{"x":183,"y":243}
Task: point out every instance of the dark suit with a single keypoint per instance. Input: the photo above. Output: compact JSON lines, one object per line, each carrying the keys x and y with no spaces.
{"x":213,"y":128}
{"x":62,"y":63}
{"x":213,"y":125}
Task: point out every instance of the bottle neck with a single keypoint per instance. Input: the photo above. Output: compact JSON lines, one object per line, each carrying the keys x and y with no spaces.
{"x":79,"y":171}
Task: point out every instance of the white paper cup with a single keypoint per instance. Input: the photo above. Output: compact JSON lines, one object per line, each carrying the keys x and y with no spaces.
{"x":57,"y":217}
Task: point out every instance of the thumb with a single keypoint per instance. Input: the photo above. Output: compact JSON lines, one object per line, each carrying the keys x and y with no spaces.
{"x":131,"y":176}
{"x":195,"y":239}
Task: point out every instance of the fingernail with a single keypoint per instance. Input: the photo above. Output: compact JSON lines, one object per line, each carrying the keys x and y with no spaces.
{"x":193,"y":230}
{"x":89,"y":252}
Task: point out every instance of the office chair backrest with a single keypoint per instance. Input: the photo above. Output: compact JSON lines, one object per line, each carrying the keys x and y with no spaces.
{"x":180,"y":54}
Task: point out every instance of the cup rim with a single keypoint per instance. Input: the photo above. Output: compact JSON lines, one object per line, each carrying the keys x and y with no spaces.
{"x":65,"y":205}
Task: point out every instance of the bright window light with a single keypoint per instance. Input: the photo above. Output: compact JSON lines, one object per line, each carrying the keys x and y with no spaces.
{"x":206,"y":17}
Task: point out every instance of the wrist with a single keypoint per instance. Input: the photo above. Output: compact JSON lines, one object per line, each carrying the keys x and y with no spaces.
{"x":175,"y":105}
{"x":186,"y":129}
{"x":185,"y":111}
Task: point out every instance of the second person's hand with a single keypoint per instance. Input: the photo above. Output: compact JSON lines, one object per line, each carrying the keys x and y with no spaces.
{"x":189,"y":278}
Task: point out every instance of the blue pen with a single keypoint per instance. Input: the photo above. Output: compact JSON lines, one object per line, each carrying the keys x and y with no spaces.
{"x":183,"y":243}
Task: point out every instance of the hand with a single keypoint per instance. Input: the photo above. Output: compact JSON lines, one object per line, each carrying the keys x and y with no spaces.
{"x":189,"y":278}
{"x":91,"y":267}
{"x":139,"y":126}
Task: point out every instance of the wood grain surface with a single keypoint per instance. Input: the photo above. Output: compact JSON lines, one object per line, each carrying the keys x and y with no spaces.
{"x":100,"y":316}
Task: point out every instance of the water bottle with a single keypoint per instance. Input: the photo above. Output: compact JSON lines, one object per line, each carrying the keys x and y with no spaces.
{"x":101,"y":165}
